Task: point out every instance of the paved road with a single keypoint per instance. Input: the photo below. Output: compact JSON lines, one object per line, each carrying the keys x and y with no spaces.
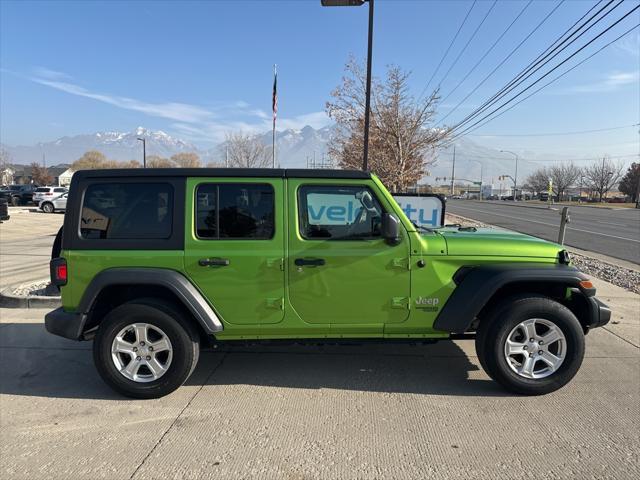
{"x":611,"y":232}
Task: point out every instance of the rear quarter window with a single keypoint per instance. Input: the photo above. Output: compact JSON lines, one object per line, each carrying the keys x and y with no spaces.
{"x":127,"y":211}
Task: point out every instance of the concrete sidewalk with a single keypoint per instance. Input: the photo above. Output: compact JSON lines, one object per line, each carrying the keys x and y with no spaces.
{"x":325,"y":412}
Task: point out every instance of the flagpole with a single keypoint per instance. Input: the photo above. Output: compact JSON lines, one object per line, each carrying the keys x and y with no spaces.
{"x":275,"y":110}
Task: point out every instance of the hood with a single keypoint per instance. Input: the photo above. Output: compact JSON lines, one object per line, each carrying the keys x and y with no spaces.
{"x":492,"y":242}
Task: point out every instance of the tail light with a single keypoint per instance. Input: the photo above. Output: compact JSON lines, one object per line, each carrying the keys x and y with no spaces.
{"x":58,"y":269}
{"x":48,"y":193}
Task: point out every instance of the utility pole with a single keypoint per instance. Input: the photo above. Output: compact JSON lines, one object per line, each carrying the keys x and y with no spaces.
{"x":144,"y":151}
{"x":226,"y":158}
{"x":453,"y":170}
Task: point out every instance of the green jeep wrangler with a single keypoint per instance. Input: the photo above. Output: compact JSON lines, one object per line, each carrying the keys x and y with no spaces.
{"x":152,"y":264}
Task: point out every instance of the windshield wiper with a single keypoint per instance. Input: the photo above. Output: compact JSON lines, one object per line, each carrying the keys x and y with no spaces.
{"x":421,"y":227}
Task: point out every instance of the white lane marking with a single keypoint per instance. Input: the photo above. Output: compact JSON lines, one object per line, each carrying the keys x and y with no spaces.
{"x":549,"y":224}
{"x":614,"y":224}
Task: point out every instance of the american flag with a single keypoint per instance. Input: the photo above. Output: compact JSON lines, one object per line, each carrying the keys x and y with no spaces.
{"x":274,"y":101}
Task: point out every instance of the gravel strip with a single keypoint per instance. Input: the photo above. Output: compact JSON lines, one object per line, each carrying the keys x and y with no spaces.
{"x":41,"y":288}
{"x":619,"y":276}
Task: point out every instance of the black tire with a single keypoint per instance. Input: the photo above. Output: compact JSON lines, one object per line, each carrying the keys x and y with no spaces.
{"x":15,"y":201}
{"x":184,"y":341}
{"x":48,"y":207}
{"x":496,"y":326}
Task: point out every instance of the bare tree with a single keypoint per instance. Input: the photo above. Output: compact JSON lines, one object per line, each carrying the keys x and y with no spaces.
{"x":402,"y":138}
{"x":563,"y":176}
{"x":92,"y":160}
{"x":129,"y":164}
{"x":156,"y":161}
{"x":40,"y":175}
{"x":247,"y":151}
{"x":186,"y":160}
{"x":538,"y":181}
{"x":602,"y":176}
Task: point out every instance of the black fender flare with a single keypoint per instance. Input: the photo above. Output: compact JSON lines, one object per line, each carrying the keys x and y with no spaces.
{"x":177,"y":283}
{"x":476,"y":285}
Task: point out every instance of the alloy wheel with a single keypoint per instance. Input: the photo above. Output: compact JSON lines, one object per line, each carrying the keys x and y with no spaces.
{"x":141,"y":352}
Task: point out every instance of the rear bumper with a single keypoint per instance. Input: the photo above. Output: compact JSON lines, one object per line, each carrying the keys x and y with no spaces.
{"x":599,"y":313}
{"x":65,"y":324}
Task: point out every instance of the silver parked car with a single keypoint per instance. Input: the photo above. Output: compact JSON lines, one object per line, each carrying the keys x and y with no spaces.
{"x":47,"y":193}
{"x":55,"y":204}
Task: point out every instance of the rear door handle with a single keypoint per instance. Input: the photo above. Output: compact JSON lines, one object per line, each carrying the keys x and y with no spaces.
{"x":213,"y":262}
{"x":315,"y":262}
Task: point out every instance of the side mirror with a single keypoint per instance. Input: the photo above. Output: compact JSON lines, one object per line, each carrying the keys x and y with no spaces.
{"x":391,"y":229}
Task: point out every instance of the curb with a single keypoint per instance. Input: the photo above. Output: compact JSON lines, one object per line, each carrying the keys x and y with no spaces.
{"x":517,"y":204}
{"x":13,"y":301}
{"x":555,"y":206}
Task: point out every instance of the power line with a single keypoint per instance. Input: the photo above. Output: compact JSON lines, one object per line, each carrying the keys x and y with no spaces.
{"x":556,"y":134}
{"x":488,"y":51}
{"x":449,"y":47}
{"x":468,"y":42}
{"x":536,"y":65}
{"x":474,"y":127}
{"x":505,"y":59}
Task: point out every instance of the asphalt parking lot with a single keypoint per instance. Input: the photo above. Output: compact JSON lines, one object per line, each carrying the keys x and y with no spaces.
{"x":307,"y":412}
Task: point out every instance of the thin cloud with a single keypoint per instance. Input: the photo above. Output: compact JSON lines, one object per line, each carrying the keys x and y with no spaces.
{"x":192,"y":121}
{"x":629,"y":45}
{"x":182,"y":112}
{"x":215,"y":131}
{"x":611,"y":82}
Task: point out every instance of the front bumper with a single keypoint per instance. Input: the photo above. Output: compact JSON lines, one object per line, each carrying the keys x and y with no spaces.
{"x":65,"y":324}
{"x":599,"y":313}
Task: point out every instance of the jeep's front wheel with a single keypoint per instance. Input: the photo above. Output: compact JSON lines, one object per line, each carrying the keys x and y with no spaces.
{"x":531,"y":345}
{"x":145,"y":349}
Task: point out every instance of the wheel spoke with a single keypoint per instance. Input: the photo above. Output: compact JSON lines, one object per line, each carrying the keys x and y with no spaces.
{"x":529,"y":327}
{"x":122,"y":346}
{"x":161,"y":345}
{"x":131,"y":369}
{"x":141,"y":332}
{"x":515,"y":348}
{"x":155,"y":367}
{"x":551,"y":360}
{"x":527,"y":367}
{"x":552,"y":336}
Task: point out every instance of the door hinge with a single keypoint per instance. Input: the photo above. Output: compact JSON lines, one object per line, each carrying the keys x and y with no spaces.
{"x":275,"y":303}
{"x":400,"y":302}
{"x":401,"y":263}
{"x":276,"y":262}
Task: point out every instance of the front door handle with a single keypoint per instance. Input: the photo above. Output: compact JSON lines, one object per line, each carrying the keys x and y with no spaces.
{"x":314,"y":262}
{"x":213,"y":262}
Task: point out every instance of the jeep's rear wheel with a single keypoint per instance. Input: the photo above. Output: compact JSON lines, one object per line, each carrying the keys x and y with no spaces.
{"x":145,"y":349}
{"x":15,"y":201}
{"x":531,"y":345}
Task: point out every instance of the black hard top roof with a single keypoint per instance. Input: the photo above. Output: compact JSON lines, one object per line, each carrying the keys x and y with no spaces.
{"x":223,"y":172}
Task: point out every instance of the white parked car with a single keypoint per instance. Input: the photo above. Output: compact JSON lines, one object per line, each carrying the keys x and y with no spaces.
{"x":55,"y":204}
{"x":44,"y":193}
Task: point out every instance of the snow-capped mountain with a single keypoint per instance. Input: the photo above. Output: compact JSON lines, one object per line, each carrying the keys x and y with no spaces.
{"x":115,"y":145}
{"x":295,"y":148}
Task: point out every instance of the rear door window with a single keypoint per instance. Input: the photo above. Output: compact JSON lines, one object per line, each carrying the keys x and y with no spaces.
{"x":235,"y":211}
{"x":127,"y":211}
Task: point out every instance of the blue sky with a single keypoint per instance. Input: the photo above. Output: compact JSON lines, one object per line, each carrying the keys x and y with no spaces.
{"x":199,"y":69}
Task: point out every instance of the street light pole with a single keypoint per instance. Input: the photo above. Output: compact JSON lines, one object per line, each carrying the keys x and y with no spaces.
{"x":515,"y":178}
{"x":144,"y":151}
{"x":481,"y":175}
{"x":367,"y":101}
